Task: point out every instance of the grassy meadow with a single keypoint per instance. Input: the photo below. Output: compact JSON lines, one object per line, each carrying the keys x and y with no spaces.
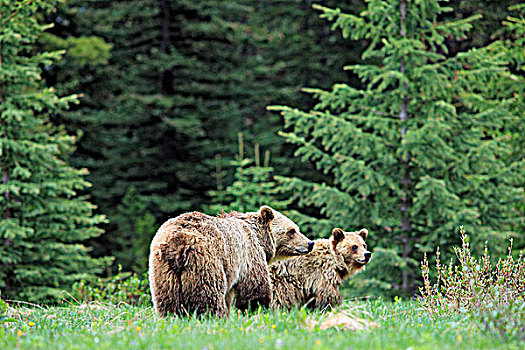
{"x":401,"y":325}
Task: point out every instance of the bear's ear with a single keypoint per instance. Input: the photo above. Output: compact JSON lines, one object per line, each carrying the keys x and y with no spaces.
{"x":266,"y":214}
{"x":363,"y":233}
{"x":338,"y":234}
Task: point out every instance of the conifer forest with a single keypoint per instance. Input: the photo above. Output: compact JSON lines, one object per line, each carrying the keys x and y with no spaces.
{"x":404,"y":117}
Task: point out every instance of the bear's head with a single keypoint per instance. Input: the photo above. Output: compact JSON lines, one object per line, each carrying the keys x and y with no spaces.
{"x":352,"y":248}
{"x":285,"y":234}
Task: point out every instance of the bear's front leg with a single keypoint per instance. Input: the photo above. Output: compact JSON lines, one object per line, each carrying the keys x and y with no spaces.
{"x":326,"y":296}
{"x":254,"y":289}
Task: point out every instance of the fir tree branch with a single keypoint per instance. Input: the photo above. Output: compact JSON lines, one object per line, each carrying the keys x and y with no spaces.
{"x":14,"y":13}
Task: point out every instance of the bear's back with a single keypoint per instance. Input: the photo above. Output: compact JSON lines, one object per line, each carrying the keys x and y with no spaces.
{"x":228,"y":241}
{"x":200,"y":228}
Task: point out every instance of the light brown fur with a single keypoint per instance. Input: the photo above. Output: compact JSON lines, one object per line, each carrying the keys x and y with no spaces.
{"x":314,"y":279}
{"x":200,"y":264}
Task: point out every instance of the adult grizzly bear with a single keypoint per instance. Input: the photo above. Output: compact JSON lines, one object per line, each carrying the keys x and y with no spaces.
{"x":314,"y":279}
{"x":200,"y":263}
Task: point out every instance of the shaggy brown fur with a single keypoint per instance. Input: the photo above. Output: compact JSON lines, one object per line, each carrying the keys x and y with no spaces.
{"x":314,"y":279}
{"x":200,"y":263}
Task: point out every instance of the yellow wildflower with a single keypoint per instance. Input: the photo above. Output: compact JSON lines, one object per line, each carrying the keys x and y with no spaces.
{"x":31,"y":324}
{"x":274,"y":326}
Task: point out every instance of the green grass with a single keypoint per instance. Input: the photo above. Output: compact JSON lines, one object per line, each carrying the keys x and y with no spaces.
{"x":402,"y":325}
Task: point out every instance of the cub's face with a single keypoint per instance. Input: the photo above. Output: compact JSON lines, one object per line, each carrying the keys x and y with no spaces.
{"x":352,"y":247}
{"x":289,"y":241}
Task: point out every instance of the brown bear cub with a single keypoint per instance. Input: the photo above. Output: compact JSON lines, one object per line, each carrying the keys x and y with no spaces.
{"x":314,"y":279}
{"x":199,"y":263}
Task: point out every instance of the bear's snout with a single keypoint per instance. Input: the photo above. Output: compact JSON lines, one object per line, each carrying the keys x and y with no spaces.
{"x":307,"y":248}
{"x":368,"y":255}
{"x":311,"y":245}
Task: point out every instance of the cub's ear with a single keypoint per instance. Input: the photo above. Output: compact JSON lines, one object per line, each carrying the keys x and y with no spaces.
{"x":338,"y":234}
{"x":266,"y":214}
{"x":363,"y":233}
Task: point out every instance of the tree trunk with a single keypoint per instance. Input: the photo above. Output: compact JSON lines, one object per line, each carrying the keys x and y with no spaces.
{"x":406,"y":225}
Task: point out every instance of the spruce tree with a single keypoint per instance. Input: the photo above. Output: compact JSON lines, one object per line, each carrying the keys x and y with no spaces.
{"x":418,"y":151}
{"x":142,"y":123}
{"x":515,"y":87}
{"x":44,"y":220}
{"x":182,"y":79}
{"x":253,"y":185}
{"x":485,"y":30}
{"x":515,"y":92}
{"x":150,"y":116}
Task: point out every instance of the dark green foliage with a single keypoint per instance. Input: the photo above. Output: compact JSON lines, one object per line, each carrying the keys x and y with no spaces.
{"x":183,"y":78}
{"x":253,"y":186}
{"x":515,"y":88}
{"x":485,"y":30}
{"x":44,"y":220}
{"x":124,"y":287}
{"x":419,"y":149}
{"x":515,"y":27}
{"x":138,"y":227}
{"x":143,"y":124}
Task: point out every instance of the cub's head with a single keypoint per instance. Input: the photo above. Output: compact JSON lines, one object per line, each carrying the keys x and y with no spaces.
{"x":352,"y":247}
{"x":287,"y":237}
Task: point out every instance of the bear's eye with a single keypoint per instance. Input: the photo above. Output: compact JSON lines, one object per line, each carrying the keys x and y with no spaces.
{"x":354,"y":248}
{"x":291,"y":232}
